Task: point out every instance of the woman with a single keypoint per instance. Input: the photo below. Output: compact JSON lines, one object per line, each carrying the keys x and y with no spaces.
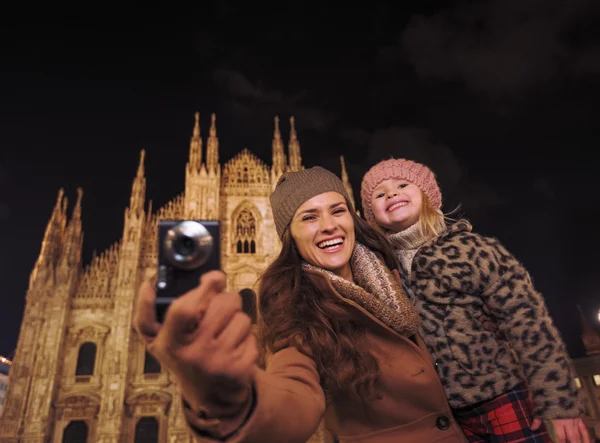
{"x":338,"y":331}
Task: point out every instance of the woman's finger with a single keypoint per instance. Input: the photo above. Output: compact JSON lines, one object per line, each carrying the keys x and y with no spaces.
{"x":214,"y":280}
{"x":198,"y":299}
{"x":236,"y":332}
{"x":187,"y":311}
{"x":220,"y":311}
{"x":210,"y":284}
{"x":182,"y":319}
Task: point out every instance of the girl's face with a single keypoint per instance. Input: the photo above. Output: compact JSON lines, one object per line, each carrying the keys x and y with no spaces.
{"x":396,"y":204}
{"x":323,"y":230}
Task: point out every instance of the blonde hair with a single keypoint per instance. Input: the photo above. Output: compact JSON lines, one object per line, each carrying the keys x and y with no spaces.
{"x":432,"y":221}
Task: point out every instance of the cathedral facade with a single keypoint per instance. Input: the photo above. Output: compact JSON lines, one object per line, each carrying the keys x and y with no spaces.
{"x":80,"y":373}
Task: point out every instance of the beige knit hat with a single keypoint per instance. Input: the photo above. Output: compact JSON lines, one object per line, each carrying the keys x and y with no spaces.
{"x":294,"y":188}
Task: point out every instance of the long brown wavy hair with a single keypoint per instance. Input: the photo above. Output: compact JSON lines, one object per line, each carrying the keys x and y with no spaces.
{"x":294,"y":313}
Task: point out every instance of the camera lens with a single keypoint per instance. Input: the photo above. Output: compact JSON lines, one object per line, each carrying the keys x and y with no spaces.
{"x":183,"y":246}
{"x":188,"y":244}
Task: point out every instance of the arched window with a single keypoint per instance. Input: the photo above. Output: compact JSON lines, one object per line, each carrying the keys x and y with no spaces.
{"x":146,"y":430}
{"x":151,"y":365}
{"x":75,"y":432}
{"x":245,"y":232}
{"x":249,"y":303}
{"x":86,"y":359}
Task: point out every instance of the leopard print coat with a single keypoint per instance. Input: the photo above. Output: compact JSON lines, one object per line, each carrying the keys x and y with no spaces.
{"x":456,"y":279}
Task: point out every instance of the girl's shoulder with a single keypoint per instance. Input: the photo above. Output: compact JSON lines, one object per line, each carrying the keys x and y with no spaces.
{"x":460,"y":235}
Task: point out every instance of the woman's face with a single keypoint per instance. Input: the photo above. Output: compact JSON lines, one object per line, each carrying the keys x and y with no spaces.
{"x":323,"y":230}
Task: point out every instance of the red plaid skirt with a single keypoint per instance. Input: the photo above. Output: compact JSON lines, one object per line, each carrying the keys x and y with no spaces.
{"x":503,"y":419}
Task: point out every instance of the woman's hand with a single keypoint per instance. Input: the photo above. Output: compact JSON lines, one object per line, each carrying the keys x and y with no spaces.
{"x":206,"y":341}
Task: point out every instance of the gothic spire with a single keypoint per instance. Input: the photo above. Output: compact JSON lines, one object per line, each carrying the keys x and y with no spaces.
{"x":52,"y":242}
{"x":74,"y":235}
{"x":212,"y":150}
{"x":294,"y":148}
{"x":278,"y":152}
{"x":138,"y":190}
{"x":195,"y":160}
{"x":52,"y":236}
{"x":76,"y":216}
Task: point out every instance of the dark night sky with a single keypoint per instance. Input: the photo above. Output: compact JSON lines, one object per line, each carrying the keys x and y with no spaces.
{"x":499,"y":97}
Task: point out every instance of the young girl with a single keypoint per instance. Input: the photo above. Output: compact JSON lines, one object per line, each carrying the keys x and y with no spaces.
{"x":500,"y":390}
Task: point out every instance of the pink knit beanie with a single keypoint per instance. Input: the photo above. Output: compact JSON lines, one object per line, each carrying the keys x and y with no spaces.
{"x":402,"y":169}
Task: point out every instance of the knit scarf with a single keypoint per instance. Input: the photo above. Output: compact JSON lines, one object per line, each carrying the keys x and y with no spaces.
{"x":376,"y":290}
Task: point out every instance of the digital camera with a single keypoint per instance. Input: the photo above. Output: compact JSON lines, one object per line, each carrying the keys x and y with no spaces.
{"x":186,"y":250}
